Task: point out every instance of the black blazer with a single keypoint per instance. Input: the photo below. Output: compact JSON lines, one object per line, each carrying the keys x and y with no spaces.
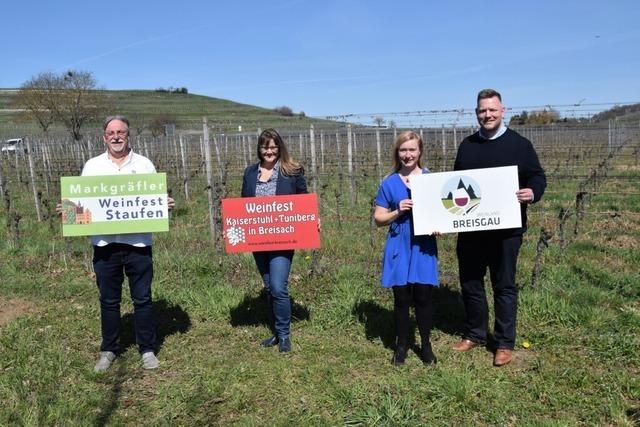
{"x":294,"y":184}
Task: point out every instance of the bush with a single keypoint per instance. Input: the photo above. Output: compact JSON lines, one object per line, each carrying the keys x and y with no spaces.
{"x":284,"y":111}
{"x":171,"y":89}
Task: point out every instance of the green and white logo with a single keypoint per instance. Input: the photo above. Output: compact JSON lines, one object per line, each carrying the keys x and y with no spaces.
{"x":114,"y":204}
{"x":461,"y":195}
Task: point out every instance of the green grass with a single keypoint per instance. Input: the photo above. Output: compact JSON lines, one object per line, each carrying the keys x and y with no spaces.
{"x":582,"y":323}
{"x":188,"y":109}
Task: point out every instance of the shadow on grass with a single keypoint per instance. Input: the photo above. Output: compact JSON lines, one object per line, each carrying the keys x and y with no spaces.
{"x":379,"y":323}
{"x":252,"y":311}
{"x":448,"y":311}
{"x":170,"y":319}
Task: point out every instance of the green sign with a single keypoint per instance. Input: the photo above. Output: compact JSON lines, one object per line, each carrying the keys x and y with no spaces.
{"x":114,"y":204}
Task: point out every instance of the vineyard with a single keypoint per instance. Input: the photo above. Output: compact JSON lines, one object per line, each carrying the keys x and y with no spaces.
{"x":579,"y":313}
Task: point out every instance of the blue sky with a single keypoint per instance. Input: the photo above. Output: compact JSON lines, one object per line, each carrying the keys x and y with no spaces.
{"x":335,"y":57}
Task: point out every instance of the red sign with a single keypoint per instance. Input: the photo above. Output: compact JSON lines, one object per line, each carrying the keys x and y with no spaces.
{"x":256,"y":224}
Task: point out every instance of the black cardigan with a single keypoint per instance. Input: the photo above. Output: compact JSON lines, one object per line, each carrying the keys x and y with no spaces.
{"x":294,"y":184}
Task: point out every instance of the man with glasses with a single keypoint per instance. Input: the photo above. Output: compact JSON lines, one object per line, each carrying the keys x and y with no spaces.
{"x":115,"y":256}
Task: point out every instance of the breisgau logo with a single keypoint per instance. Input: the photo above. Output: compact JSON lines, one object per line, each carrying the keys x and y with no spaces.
{"x":461,"y":195}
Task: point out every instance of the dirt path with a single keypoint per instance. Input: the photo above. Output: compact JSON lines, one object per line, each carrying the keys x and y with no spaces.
{"x":14,"y":308}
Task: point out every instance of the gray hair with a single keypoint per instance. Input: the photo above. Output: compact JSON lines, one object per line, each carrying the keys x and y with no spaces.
{"x":109,"y":119}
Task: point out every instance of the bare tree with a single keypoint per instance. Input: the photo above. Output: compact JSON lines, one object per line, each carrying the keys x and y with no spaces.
{"x":36,"y":97}
{"x":71,"y":99}
{"x":79,"y":102}
{"x":379,"y":121}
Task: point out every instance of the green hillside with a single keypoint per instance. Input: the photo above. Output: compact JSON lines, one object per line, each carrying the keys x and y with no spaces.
{"x":142,"y":106}
{"x":622,"y":113}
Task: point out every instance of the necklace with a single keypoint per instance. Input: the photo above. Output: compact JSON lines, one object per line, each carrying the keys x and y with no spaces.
{"x":405,"y":178}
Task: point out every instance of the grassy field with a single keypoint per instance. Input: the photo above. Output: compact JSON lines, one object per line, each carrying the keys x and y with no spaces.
{"x":577,"y":360}
{"x":188,"y":109}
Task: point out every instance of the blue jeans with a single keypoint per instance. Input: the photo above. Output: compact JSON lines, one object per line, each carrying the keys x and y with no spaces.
{"x":274,"y":268}
{"x":110,"y":264}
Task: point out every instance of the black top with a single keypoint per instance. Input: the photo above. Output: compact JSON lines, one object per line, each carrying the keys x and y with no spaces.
{"x":294,"y":184}
{"x":509,"y":149}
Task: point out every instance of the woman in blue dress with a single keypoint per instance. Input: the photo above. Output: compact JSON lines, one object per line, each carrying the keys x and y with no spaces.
{"x":410,"y":263}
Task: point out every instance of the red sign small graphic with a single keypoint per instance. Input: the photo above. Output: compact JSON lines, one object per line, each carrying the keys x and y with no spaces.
{"x":256,"y":224}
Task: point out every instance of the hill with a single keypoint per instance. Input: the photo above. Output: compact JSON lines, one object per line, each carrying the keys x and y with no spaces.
{"x":143,"y":106}
{"x":621,"y":113}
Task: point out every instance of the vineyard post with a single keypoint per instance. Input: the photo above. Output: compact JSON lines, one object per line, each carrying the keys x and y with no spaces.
{"x":609,"y":136}
{"x":33,"y":178}
{"x":314,"y":168}
{"x":379,"y":155}
{"x":2,"y":189}
{"x":425,"y":141}
{"x":444,"y":150}
{"x":185,"y":176}
{"x":455,"y":137}
{"x":207,"y":156}
{"x":174,"y":143}
{"x":339,"y":152}
{"x":144,"y":146}
{"x":17,"y":167}
{"x":350,"y":160}
{"x":322,"y":151}
{"x":81,"y":151}
{"x":218,"y":158}
{"x":47,"y":165}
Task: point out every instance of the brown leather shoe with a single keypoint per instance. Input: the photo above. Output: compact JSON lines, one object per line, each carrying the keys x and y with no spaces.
{"x":465,"y":345}
{"x":502,"y":357}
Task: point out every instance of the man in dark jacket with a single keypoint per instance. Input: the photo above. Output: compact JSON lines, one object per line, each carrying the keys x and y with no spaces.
{"x":495,"y":145}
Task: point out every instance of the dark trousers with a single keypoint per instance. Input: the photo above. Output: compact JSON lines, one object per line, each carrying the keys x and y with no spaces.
{"x":478,"y":251}
{"x":419,"y":296}
{"x":110,"y":264}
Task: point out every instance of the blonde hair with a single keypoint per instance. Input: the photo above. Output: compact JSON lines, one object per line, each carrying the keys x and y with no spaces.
{"x":403,"y":137}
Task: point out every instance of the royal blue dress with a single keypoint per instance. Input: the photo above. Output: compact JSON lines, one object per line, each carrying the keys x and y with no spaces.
{"x":407,"y":258}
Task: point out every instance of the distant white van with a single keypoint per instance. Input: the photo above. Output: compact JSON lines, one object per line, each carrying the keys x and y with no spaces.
{"x":12,"y":145}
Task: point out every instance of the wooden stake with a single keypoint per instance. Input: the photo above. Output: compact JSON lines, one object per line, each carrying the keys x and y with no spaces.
{"x":33,"y":179}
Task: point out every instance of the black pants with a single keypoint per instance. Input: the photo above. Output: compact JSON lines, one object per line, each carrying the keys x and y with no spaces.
{"x":478,"y":251}
{"x":421,"y":297}
{"x":110,"y":264}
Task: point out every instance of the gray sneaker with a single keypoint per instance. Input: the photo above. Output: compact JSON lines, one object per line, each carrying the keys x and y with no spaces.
{"x":106,"y":357}
{"x":149,"y":360}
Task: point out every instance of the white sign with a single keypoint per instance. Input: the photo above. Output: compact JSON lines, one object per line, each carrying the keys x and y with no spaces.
{"x":467,"y":200}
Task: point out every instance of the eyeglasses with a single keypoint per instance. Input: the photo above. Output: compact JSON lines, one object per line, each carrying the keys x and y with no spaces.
{"x":269,"y":148}
{"x":120,"y":133}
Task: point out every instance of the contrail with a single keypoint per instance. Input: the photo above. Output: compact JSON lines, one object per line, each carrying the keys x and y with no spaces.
{"x":129,"y":46}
